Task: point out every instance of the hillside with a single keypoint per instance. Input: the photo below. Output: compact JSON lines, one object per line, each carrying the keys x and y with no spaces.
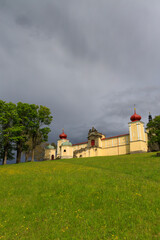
{"x":89,"y":198}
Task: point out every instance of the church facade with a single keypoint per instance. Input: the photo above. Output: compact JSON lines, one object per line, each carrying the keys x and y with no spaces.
{"x":136,"y":141}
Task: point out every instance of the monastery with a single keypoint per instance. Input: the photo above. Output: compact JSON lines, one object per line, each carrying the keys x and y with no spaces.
{"x":136,"y":141}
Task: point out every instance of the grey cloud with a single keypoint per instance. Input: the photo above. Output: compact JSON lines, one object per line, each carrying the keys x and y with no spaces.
{"x":89,"y":61}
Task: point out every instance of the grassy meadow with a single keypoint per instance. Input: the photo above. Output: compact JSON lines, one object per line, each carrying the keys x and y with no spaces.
{"x":111,"y":198}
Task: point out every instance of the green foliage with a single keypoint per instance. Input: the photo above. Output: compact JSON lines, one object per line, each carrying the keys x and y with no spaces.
{"x":154,"y":131}
{"x":21,"y":124}
{"x":110,"y":198}
{"x":8,"y":117}
{"x":40,"y":116}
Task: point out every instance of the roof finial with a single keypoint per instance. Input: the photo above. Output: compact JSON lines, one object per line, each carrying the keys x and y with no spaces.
{"x":134,"y":108}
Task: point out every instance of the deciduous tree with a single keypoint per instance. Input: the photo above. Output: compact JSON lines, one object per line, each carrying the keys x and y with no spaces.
{"x":8,"y":114}
{"x":24,"y":111}
{"x":41,"y":117}
{"x":154,"y":131}
{"x":23,"y":126}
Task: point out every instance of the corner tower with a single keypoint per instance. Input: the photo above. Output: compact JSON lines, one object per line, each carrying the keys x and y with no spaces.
{"x":137,"y":134}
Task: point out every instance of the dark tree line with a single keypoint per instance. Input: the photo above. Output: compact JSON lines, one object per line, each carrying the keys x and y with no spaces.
{"x":23,"y":127}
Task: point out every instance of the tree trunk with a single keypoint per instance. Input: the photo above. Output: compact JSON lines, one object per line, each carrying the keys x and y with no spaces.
{"x":32,"y":159}
{"x":18,"y":159}
{"x":5,"y":157}
{"x":26,"y":156}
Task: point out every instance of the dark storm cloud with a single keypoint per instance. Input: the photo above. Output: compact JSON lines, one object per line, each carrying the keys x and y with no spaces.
{"x":89,"y":61}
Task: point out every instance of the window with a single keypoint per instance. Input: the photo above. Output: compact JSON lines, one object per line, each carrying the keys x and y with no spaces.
{"x":92,"y":142}
{"x":64,"y":150}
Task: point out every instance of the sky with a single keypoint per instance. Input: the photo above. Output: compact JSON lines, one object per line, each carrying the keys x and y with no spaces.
{"x":89,"y":61}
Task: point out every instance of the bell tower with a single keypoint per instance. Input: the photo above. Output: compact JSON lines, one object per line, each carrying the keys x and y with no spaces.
{"x":63,"y":138}
{"x":138,"y":136}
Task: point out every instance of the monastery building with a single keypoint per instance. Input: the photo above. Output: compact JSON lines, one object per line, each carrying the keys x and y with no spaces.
{"x":136,"y":141}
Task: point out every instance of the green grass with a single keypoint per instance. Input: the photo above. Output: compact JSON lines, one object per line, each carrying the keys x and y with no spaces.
{"x":90,"y":198}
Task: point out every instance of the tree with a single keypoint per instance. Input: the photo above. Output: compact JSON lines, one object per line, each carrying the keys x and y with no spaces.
{"x":31,"y":117}
{"x":27,"y":149}
{"x":154,"y":131}
{"x":23,"y":127}
{"x":40,"y":151}
{"x":8,"y":115}
{"x":10,"y":153}
{"x":24,"y":111}
{"x":41,"y":117}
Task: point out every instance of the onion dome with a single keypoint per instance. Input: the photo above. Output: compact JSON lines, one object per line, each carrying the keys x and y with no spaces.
{"x":135,"y":117}
{"x":66,"y":144}
{"x":50,"y":147}
{"x":63,"y":135}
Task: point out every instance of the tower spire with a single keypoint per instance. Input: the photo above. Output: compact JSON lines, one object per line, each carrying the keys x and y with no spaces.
{"x":149,"y":117}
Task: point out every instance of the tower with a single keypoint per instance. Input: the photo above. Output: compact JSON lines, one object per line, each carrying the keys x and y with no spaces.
{"x":63,"y":138}
{"x":138,"y":136}
{"x":149,"y":117}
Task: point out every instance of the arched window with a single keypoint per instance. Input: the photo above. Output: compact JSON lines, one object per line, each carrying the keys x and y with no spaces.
{"x":92,"y":142}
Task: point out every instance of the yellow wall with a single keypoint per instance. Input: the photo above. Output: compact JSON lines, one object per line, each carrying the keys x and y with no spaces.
{"x":66,"y":152}
{"x":116,"y":146}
